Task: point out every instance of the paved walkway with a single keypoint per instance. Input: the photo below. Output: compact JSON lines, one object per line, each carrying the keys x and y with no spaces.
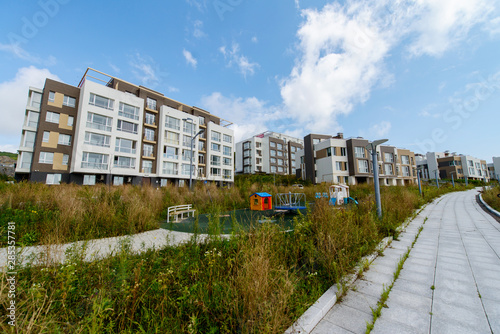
{"x":449,"y":284}
{"x":98,"y":248}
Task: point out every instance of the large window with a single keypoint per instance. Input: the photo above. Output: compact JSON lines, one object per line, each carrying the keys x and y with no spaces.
{"x":65,"y":159}
{"x":272,"y":144}
{"x":64,"y":139}
{"x":280,"y":161}
{"x":405,"y":160}
{"x":127,"y":127}
{"x":338,"y":165}
{"x":46,"y":137}
{"x":188,"y":127}
{"x":170,"y":168}
{"x":227,"y":150}
{"x":215,"y":147}
{"x":46,"y":158}
{"x":99,"y":122}
{"x":69,"y":101}
{"x":29,"y":139}
{"x":96,"y":139}
{"x":280,"y":153}
{"x":124,"y":162}
{"x":215,"y":171}
{"x":171,"y":152}
{"x":227,"y":138}
{"x":227,"y":174}
{"x":272,"y":152}
{"x":186,"y":141}
{"x":359,"y":152}
{"x":52,"y":117}
{"x":273,"y":160}
{"x":186,"y":155}
{"x":388,"y":157}
{"x":101,"y":101}
{"x":215,"y":136}
{"x":36,"y":100}
{"x":280,"y":146}
{"x":149,"y":134}
{"x":53,"y":179}
{"x":147,"y":150}
{"x":52,"y":96}
{"x":343,"y":151}
{"x":246,"y":145}
{"x":201,"y":146}
{"x":94,"y":161}
{"x":70,"y":120}
{"x":147,"y":167}
{"x":172,"y":123}
{"x":406,"y":170}
{"x":388,"y":169}
{"x":185,"y":169}
{"x":151,"y":103}
{"x":172,"y":137}
{"x":215,"y":160}
{"x":363,"y":166}
{"x":89,"y":180}
{"x":227,"y":161}
{"x":150,"y":119}
{"x":33,"y":119}
{"x":126,"y":110}
{"x":26,"y":160}
{"x":125,"y":145}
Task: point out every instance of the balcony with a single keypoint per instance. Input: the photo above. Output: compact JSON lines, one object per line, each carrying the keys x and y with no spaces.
{"x":170,"y":171}
{"x":94,"y":165}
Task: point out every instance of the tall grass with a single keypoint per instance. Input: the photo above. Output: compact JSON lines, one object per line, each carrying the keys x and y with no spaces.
{"x":490,"y":196}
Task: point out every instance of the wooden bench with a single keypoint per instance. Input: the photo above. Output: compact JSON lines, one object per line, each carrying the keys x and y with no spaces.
{"x":178,"y":212}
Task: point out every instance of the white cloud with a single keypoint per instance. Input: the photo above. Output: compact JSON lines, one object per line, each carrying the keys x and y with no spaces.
{"x":145,"y":70}
{"x":197,"y":30}
{"x":234,"y":57}
{"x":9,"y":148}
{"x":255,"y":39}
{"x":17,"y":51}
{"x":115,"y":68}
{"x":250,"y":116}
{"x":189,"y":58}
{"x":201,"y":5}
{"x":379,"y":130}
{"x":14,"y":94}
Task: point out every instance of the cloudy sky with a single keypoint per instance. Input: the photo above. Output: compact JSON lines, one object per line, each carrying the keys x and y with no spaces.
{"x":424,"y":73}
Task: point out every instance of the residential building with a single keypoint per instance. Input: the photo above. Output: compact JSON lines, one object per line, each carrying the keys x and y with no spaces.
{"x":118,"y":132}
{"x":444,"y":165}
{"x":474,"y":168}
{"x":268,"y":152}
{"x":496,"y":168}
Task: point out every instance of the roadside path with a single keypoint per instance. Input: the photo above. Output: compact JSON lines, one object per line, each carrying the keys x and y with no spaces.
{"x":448,"y":284}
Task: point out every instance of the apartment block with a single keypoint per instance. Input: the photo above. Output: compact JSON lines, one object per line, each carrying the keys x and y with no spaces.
{"x":268,"y":152}
{"x":496,"y":168}
{"x":107,"y":130}
{"x":339,"y":160}
{"x":442,"y":165}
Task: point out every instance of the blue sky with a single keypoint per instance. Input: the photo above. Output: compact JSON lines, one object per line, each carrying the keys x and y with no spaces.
{"x":423,"y":73}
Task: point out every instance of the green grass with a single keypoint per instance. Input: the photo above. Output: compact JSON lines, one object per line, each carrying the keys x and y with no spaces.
{"x":490,"y":196}
{"x":9,"y":154}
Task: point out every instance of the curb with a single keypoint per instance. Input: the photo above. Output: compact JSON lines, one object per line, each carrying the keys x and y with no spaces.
{"x":489,"y":208}
{"x":310,"y":318}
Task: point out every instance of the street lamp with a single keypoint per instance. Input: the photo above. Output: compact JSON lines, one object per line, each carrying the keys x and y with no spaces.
{"x":372,"y":148}
{"x":436,"y":174}
{"x":189,"y":120}
{"x":452,"y":180}
{"x":418,"y":179}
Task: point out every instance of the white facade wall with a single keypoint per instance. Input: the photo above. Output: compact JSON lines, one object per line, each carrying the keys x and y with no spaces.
{"x":496,"y":166}
{"x":80,"y":147}
{"x":216,"y":169}
{"x":327,"y":167}
{"x":472,"y":167}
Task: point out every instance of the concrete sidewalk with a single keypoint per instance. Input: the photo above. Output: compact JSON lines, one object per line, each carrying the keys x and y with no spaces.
{"x":98,"y":248}
{"x":449,"y":283}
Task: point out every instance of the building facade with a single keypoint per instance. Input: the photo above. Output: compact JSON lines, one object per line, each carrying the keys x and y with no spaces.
{"x":268,"y":152}
{"x":120,"y":133}
{"x":445,"y":165}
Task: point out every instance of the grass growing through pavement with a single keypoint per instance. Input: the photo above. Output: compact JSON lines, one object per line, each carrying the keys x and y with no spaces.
{"x":258,"y":281}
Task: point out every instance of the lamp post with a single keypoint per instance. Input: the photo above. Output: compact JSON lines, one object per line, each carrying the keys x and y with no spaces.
{"x":418,"y":179}
{"x":372,"y":148}
{"x":452,"y":180}
{"x":436,"y":174}
{"x":189,"y":120}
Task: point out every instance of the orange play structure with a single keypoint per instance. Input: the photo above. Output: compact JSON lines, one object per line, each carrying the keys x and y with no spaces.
{"x":261,"y":202}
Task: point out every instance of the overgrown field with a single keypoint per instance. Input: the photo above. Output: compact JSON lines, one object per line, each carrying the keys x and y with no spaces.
{"x":258,"y":281}
{"x":490,"y":196}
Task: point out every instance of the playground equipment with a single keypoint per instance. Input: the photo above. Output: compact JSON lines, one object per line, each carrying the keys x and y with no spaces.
{"x":261,"y":202}
{"x":339,"y":195}
{"x":290,"y":201}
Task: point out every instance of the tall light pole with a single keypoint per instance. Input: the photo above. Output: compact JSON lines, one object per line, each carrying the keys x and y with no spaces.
{"x":418,"y":179}
{"x":372,"y":148}
{"x":452,"y":180}
{"x":189,"y":120}
{"x":436,"y":174}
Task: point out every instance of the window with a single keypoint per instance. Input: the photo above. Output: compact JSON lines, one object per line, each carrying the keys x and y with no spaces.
{"x":215,"y":160}
{"x":147,"y":150}
{"x":201,"y":120}
{"x":471,"y":171}
{"x":172,"y":137}
{"x":227,"y":139}
{"x":280,"y":154}
{"x":99,"y":122}
{"x":163,"y":182}
{"x":316,"y":141}
{"x":124,"y":162}
{"x":273,"y":169}
{"x":471,"y":163}
{"x":150,"y":119}
{"x":293,"y":149}
{"x":246,"y":145}
{"x":127,"y":127}
{"x":227,"y":174}
{"x":188,"y":127}
{"x":343,"y":152}
{"x":201,"y":145}
{"x":483,"y":166}
{"x":215,"y":171}
{"x":185,"y":169}
{"x":147,"y":167}
{"x":272,"y":144}
{"x":149,"y":134}
{"x":478,"y":165}
{"x":36,"y":100}
{"x":227,"y":161}
{"x":94,"y":161}
{"x":117,"y":180}
{"x":101,"y":101}
{"x":215,"y":147}
{"x":280,"y":169}
{"x":170,"y":168}
{"x":52,"y":96}
{"x":46,"y":137}
{"x":172,"y":123}
{"x":186,"y":141}
{"x":280,"y":161}
{"x":246,"y":161}
{"x":273,"y":160}
{"x":388,"y":169}
{"x":89,"y":180}
{"x":126,"y":110}
{"x":359,"y":152}
{"x":69,"y":101}
{"x":272,"y":152}
{"x":70,"y":120}
{"x":125,"y":146}
{"x":293,"y":156}
{"x":33,"y":119}
{"x":170,"y":152}
{"x":280,"y":146}
{"x":406,"y":170}
{"x":46,"y":158}
{"x":201,"y":158}
{"x":328,"y":151}
{"x":405,"y":160}
{"x":151,"y":103}
{"x":247,"y":153}
{"x":338,"y":165}
{"x":363,"y":166}
{"x":96,"y":139}
{"x":227,"y":150}
{"x":29,"y":139}
{"x":65,"y":159}
{"x":53,"y":179}
{"x":52,"y":117}
{"x":388,"y":157}
{"x":26,"y":159}
{"x":64,"y":139}
{"x":216,"y":136}
{"x":186,"y":155}
{"x":246,"y":170}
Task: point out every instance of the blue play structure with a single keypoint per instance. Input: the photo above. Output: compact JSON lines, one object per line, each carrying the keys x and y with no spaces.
{"x":290,"y":201}
{"x":339,"y":195}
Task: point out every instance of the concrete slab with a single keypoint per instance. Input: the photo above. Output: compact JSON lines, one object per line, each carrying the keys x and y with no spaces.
{"x":348,"y":318}
{"x":384,"y":326}
{"x":467,"y":315}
